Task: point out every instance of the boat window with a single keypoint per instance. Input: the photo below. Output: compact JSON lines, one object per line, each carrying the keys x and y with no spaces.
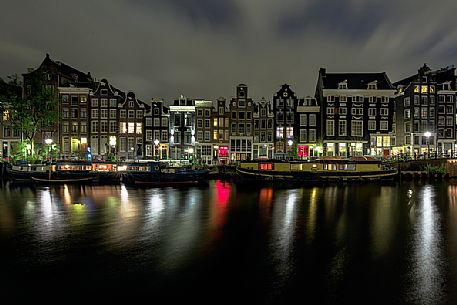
{"x":330,"y":167}
{"x":266,"y":166}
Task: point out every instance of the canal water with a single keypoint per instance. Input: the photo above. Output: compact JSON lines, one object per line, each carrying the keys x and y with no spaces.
{"x":227,"y":244}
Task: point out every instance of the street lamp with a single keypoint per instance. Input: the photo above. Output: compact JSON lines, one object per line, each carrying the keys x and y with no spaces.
{"x":156,"y":146}
{"x":427,"y":135}
{"x":290,"y":142}
{"x":49,"y":143}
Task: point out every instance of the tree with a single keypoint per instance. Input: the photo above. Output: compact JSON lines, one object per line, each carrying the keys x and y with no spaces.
{"x":37,"y":110}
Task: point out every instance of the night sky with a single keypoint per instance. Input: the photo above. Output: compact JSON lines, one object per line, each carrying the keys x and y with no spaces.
{"x":204,"y":48}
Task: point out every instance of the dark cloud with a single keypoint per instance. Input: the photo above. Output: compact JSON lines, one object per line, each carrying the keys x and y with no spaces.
{"x":204,"y":48}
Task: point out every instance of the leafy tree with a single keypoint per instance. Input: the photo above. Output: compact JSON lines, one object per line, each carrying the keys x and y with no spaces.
{"x":37,"y":110}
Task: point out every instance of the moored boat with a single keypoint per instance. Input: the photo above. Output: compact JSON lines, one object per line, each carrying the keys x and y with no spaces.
{"x":25,"y":173}
{"x":326,"y":169}
{"x":159,"y":174}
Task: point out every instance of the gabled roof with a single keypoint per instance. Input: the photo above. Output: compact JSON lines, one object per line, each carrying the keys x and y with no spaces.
{"x":355,"y":80}
{"x":440,"y":76}
{"x":104,"y":84}
{"x":78,"y":78}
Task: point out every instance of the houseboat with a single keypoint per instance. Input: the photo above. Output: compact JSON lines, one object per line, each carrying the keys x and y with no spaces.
{"x":83,"y":172}
{"x":68,"y":172}
{"x":320,"y":170}
{"x":160,"y":174}
{"x":23,"y":172}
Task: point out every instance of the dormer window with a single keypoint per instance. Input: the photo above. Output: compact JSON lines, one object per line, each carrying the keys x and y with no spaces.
{"x":447,"y":86}
{"x":104,"y":92}
{"x":372,"y":86}
{"x":343,"y":85}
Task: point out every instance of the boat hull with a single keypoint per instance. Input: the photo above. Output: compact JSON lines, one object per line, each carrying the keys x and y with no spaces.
{"x":185,"y":178}
{"x":315,"y":176}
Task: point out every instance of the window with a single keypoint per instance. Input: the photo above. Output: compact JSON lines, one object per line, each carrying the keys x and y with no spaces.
{"x":330,"y":110}
{"x":112,"y":113}
{"x":94,"y":126}
{"x":303,"y":120}
{"x":104,"y":102}
{"x":95,"y":102}
{"x":148,"y":121}
{"x":94,"y":114}
{"x":343,"y":99}
{"x":343,"y":85}
{"x":103,"y":113}
{"x":303,"y":136}
{"x":312,"y":120}
{"x":65,"y":98}
{"x":65,"y":127}
{"x":371,"y":125}
{"x":131,"y":114}
{"x":330,"y":128}
{"x":207,"y":123}
{"x":199,"y":112}
{"x":131,"y":127}
{"x":357,"y":111}
{"x":207,"y":136}
{"x":156,"y":122}
{"x":104,"y":126}
{"x":207,"y":113}
{"x":199,"y":136}
{"x":164,"y":122}
{"x":104,"y":92}
{"x":407,"y":114}
{"x":280,"y":132}
{"x":312,"y":135}
{"x":407,"y":101}
{"x":343,"y":111}
{"x":407,"y":127}
{"x":139,"y":128}
{"x":65,"y":113}
{"x":342,"y":128}
{"x":83,"y":127}
{"x":371,"y":111}
{"x":424,"y":100}
{"x":113,"y":102}
{"x":384,"y":111}
{"x":449,"y":120}
{"x":357,"y":128}
{"x":123,"y":114}
{"x":383,"y":125}
{"x":139,"y":114}
{"x":164,"y":134}
{"x":424,"y":113}
{"x":113,"y":127}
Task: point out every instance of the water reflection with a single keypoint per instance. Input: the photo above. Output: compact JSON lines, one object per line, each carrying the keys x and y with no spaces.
{"x":283,"y":232}
{"x":428,"y":259}
{"x":332,"y":241}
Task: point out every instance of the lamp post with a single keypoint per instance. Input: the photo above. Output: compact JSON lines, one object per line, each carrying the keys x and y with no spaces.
{"x":290,"y":143}
{"x":156,"y":146}
{"x":49,"y":143}
{"x":112,"y":143}
{"x":427,"y":135}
